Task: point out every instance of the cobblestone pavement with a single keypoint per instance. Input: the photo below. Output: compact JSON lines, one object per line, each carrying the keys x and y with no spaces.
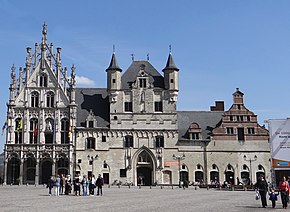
{"x":31,"y":198}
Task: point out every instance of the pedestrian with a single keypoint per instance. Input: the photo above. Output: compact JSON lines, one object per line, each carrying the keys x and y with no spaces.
{"x":262,"y":187}
{"x":284,"y":191}
{"x":50,"y":184}
{"x":57,"y":185}
{"x":77,"y":187}
{"x":67,"y":187}
{"x":99,"y":184}
{"x":62,"y":184}
{"x":85,"y":184}
{"x":91,"y":185}
{"x":273,"y":197}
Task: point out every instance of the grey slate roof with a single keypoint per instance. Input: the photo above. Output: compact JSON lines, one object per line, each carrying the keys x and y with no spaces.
{"x":130,"y":75}
{"x":207,"y":120}
{"x":113,"y":64}
{"x":95,"y":99}
{"x":170,"y":63}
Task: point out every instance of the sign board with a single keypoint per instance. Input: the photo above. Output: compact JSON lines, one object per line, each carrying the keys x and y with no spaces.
{"x":279,"y":130}
{"x":168,"y":163}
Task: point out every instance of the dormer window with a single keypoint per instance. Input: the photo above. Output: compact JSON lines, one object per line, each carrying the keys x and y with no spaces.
{"x":91,"y":121}
{"x":142,"y":82}
{"x":194,"y":132}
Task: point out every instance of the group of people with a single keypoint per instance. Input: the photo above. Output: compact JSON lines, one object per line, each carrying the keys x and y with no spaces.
{"x":283,"y":190}
{"x":60,"y":183}
{"x":81,"y":185}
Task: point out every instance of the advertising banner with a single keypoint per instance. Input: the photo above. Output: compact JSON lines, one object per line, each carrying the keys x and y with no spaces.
{"x":279,"y":130}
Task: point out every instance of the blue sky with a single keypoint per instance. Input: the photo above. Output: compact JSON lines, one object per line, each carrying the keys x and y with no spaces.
{"x":218,"y":45}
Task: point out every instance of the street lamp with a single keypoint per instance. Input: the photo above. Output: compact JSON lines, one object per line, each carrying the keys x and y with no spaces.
{"x":93,"y":158}
{"x":179,"y":158}
{"x":250,"y":160}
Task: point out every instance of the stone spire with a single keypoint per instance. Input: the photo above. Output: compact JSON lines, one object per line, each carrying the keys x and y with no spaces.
{"x":28,"y":63}
{"x":12,"y":86}
{"x":73,"y":85}
{"x":43,"y":46}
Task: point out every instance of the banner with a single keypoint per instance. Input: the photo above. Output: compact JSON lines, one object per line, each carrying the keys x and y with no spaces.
{"x":279,"y":130}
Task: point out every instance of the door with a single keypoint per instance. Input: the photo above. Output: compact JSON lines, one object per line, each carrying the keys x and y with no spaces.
{"x":144,"y":176}
{"x":46,"y":171}
{"x":106,"y":177}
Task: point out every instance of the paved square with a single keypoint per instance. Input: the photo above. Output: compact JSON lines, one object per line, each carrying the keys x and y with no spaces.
{"x":31,"y":198}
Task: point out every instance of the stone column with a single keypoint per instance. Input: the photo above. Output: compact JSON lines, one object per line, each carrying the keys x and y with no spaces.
{"x":5,"y":171}
{"x":21,"y":172}
{"x":53,"y":167}
{"x":37,"y":172}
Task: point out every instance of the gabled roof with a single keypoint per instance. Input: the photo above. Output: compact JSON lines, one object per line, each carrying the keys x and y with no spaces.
{"x":95,"y":99}
{"x":131,"y":74}
{"x":207,"y":121}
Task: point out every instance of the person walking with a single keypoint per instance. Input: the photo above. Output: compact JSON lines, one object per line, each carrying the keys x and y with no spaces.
{"x":99,"y":184}
{"x":284,"y":191}
{"x":262,"y":187}
{"x":50,"y":184}
{"x":273,"y":197}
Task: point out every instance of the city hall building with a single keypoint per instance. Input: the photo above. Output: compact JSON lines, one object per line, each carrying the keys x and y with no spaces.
{"x":129,"y":131}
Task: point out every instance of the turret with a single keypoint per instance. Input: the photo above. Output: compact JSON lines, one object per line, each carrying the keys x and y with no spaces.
{"x":113,"y":78}
{"x":171,"y":78}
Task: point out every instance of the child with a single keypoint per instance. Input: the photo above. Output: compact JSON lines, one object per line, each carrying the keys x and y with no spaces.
{"x":273,"y":197}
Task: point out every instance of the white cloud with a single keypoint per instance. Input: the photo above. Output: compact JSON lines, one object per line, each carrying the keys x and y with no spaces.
{"x":84,"y":81}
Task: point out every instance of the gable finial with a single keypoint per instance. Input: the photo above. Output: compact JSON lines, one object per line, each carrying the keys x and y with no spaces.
{"x":113,"y":48}
{"x":44,"y":32}
{"x":132,"y":57}
{"x":170,"y":49}
{"x":147,"y":56}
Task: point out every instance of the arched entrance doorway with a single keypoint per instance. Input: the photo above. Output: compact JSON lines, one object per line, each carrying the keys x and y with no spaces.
{"x":13,"y":171}
{"x":144,"y":167}
{"x":29,"y":167}
{"x":46,"y":171}
{"x":62,"y":166}
{"x":230,"y":175}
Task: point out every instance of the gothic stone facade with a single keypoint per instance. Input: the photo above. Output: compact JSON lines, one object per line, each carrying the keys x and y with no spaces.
{"x":129,"y":131}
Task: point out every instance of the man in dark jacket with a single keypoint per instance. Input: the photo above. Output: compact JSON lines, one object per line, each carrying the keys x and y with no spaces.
{"x":50,"y":184}
{"x":99,"y":184}
{"x":262,"y":187}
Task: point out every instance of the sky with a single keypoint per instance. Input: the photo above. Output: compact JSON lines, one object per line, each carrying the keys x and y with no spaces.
{"x":217,"y":45}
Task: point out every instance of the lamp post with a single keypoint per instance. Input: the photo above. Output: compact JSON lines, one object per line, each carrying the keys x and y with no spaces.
{"x":250,"y":160}
{"x":179,"y":159}
{"x":93,"y":158}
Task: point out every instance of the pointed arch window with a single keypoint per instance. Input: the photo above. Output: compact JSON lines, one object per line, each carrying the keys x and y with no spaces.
{"x":33,"y":131}
{"x":50,"y":99}
{"x":49,"y":131}
{"x":34,"y":99}
{"x":18,"y":131}
{"x":43,"y":80}
{"x":64,"y":131}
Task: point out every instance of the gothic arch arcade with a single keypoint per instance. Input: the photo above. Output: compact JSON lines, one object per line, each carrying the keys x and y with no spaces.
{"x":144,"y":167}
{"x":13,"y":170}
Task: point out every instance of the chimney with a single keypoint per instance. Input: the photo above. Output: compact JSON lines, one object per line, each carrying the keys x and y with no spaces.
{"x":219,"y":106}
